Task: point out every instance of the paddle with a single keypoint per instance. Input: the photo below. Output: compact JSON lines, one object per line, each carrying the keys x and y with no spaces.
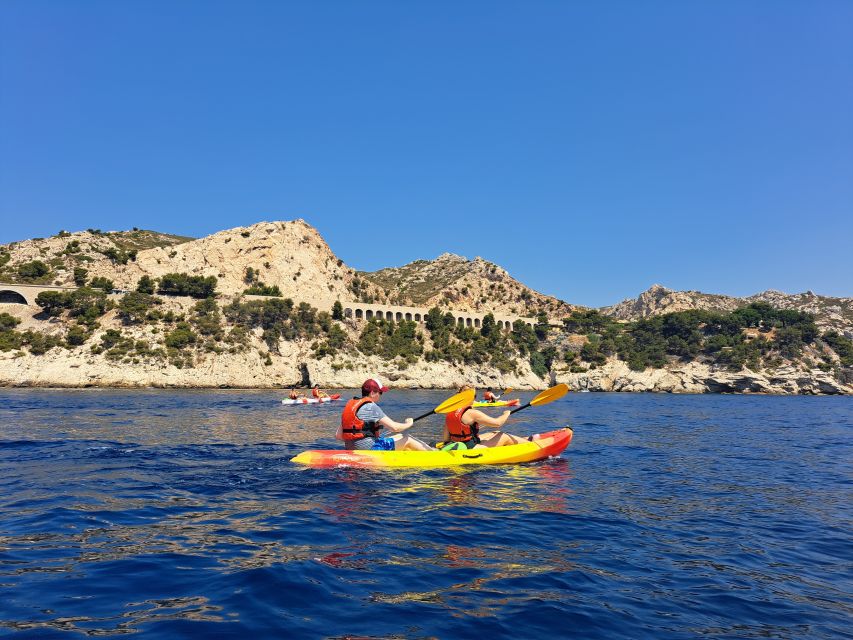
{"x":451,"y":404}
{"x":549,"y":395}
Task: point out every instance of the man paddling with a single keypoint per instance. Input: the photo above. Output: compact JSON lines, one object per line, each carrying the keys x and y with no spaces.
{"x":318,"y":393}
{"x":362,"y":420}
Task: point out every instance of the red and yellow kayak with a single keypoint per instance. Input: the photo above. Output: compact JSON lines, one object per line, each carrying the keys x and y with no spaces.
{"x":497,"y":403}
{"x":543,"y":445}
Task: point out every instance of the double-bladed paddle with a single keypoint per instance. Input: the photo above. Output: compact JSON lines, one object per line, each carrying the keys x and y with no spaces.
{"x":549,"y":395}
{"x":451,"y":404}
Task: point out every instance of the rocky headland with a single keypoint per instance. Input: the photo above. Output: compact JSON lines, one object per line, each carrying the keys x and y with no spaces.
{"x":270,"y":305}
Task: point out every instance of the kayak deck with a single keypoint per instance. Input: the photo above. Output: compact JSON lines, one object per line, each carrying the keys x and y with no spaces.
{"x":497,"y":403}
{"x":542,"y":446}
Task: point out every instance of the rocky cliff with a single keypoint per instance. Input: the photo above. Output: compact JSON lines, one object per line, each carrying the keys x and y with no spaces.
{"x":178,"y":341}
{"x":830,"y":313}
{"x":454,"y":282}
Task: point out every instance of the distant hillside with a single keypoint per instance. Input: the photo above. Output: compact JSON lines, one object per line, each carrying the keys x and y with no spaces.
{"x":92,"y":249}
{"x":830,"y":313}
{"x":454,"y":282}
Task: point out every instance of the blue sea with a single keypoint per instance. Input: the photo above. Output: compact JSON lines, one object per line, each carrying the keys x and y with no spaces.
{"x":177,"y":514}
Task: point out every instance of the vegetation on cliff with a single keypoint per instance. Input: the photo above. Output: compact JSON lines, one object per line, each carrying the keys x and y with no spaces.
{"x":755,"y":336}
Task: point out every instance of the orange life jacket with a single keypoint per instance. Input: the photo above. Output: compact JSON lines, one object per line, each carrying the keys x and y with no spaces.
{"x":488,"y":396}
{"x":458,"y":430}
{"x":354,"y":429}
{"x":293,"y":395}
{"x":315,"y":392}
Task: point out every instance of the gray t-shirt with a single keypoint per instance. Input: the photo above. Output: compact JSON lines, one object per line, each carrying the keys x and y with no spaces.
{"x":370,"y":412}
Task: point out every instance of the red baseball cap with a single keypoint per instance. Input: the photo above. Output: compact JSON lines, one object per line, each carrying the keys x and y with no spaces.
{"x":372,"y":384}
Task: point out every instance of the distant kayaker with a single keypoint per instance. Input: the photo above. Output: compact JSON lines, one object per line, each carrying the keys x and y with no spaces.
{"x":318,"y":393}
{"x":294,"y":394}
{"x":489,"y":396}
{"x":462,"y":429}
{"x":362,"y":420}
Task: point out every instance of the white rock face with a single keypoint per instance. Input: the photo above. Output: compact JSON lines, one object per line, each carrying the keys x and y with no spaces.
{"x":700,"y":378}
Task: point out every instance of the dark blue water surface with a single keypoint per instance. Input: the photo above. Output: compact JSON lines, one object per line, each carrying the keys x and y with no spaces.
{"x":177,"y":514}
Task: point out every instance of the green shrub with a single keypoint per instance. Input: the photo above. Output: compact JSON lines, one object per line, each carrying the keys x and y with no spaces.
{"x":260,"y":289}
{"x":33,"y":270}
{"x":118,"y":256}
{"x":10,"y":340}
{"x":181,"y":336}
{"x":40,"y":343}
{"x":8,"y":321}
{"x":207,"y":319}
{"x":100,"y":282}
{"x":76,"y":336}
{"x":80,"y":276}
{"x":841,"y":345}
{"x":146,"y":285}
{"x":337,"y":311}
{"x":182,"y":284}
{"x":133,"y":308}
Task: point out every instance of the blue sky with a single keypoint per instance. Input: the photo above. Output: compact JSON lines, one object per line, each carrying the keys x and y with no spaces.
{"x":590,"y":148}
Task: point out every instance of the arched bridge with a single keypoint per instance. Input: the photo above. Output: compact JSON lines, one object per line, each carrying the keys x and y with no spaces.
{"x":364,"y":311}
{"x":25,"y":293}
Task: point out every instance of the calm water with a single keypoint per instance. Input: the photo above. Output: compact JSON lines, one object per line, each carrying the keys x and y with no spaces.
{"x":178,"y":514}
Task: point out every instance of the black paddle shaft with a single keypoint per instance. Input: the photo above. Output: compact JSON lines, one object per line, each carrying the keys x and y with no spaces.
{"x":519,"y":408}
{"x":426,"y":415}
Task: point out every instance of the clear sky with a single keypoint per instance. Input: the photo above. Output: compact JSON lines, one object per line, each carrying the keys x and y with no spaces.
{"x":592,"y":148}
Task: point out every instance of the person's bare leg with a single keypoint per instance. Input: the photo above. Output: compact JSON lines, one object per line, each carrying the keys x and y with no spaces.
{"x":500,"y":439}
{"x":408,"y":443}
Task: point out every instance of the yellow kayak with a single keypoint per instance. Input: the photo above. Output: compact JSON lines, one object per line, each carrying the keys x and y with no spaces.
{"x":497,"y":403}
{"x":542,"y":446}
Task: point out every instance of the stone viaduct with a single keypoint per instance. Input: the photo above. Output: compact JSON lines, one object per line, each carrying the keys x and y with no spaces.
{"x":364,"y":311}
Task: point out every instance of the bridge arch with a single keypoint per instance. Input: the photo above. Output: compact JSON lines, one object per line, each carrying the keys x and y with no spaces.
{"x":12,"y":297}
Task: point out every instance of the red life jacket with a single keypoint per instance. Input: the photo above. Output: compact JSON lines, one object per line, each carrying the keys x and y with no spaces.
{"x":458,"y":430}
{"x":315,"y":392}
{"x":354,"y":429}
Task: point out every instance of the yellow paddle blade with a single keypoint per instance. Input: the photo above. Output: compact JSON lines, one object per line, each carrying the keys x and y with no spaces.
{"x":549,"y":395}
{"x":456,"y":402}
{"x":506,"y":391}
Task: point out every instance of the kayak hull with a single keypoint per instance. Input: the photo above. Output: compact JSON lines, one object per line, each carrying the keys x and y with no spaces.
{"x":543,"y":445}
{"x":335,"y":396}
{"x":497,"y":403}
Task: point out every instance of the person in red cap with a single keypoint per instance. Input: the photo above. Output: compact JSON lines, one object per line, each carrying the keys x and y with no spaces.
{"x":362,"y":420}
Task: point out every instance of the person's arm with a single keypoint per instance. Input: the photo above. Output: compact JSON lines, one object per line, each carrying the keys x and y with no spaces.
{"x":396,"y":427}
{"x":485,"y":420}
